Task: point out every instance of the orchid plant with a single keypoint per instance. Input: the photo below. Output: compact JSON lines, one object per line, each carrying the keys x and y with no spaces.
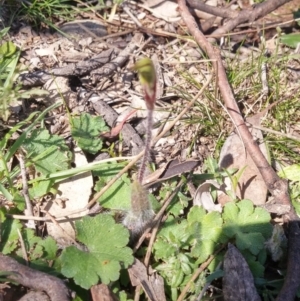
{"x":141,"y":212}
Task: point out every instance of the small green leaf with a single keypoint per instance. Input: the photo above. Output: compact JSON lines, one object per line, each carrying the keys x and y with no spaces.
{"x":48,"y":152}
{"x":106,"y":252}
{"x":9,"y":235}
{"x":163,"y":249}
{"x":7,"y":49}
{"x":205,"y":230}
{"x":40,"y":188}
{"x":196,"y":214}
{"x":207,"y":226}
{"x":50,"y":248}
{"x":86,"y":131}
{"x":3,"y":32}
{"x":290,"y":40}
{"x":203,"y":249}
{"x":177,"y":278}
{"x":254,"y":242}
{"x":171,"y":238}
{"x":291,"y":172}
{"x":117,"y":197}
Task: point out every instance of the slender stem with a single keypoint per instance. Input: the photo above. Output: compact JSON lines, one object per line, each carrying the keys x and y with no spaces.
{"x":3,"y":162}
{"x":147,"y":146}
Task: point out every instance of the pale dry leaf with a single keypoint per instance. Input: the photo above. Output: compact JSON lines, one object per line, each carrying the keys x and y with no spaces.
{"x":166,"y":10}
{"x":251,"y":184}
{"x":151,"y":3}
{"x":76,"y":191}
{"x":48,"y":51}
{"x":203,"y":196}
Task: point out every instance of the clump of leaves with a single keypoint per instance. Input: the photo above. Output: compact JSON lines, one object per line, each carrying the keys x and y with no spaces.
{"x":183,"y":244}
{"x":103,"y":255}
{"x":39,"y":251}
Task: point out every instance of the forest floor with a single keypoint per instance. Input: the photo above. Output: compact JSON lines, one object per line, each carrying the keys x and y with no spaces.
{"x":216,"y":215}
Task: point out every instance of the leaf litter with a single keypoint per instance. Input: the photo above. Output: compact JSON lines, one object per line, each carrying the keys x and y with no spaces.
{"x":202,"y":233}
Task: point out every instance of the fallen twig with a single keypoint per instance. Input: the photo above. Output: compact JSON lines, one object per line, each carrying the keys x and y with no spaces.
{"x":39,"y":78}
{"x":28,"y":210}
{"x":259,"y":11}
{"x":28,"y":277}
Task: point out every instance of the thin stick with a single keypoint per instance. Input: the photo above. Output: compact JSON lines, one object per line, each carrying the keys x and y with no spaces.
{"x":275,"y":132}
{"x":24,"y":252}
{"x":112,"y":181}
{"x":202,"y":267}
{"x":151,"y":242}
{"x":29,"y":209}
{"x":276,"y":186}
{"x":129,"y":13}
{"x":137,"y":293}
{"x":207,"y":284}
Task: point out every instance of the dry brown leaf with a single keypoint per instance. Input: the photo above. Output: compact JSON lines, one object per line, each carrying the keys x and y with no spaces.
{"x":102,"y":292}
{"x":76,"y":191}
{"x":152,"y":284}
{"x":238,"y":282}
{"x":171,"y":169}
{"x":233,"y":155}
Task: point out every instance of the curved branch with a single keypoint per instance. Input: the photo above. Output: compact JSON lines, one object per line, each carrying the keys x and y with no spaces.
{"x":28,"y":277}
{"x":237,"y":18}
{"x":259,"y":11}
{"x":213,"y":10}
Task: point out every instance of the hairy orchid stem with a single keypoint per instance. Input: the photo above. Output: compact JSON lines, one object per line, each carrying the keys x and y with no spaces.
{"x":146,"y":156}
